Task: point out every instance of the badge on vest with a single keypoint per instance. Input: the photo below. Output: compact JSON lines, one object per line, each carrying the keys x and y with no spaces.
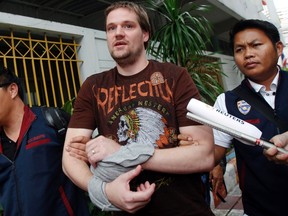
{"x":243,"y":107}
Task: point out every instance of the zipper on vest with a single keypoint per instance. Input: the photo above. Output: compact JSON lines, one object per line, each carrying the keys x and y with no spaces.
{"x":17,"y":189}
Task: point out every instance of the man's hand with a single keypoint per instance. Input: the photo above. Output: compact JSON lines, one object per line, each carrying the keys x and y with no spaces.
{"x":99,"y":148}
{"x":272,"y":154}
{"x":118,"y":192}
{"x":185,"y":140}
{"x":217,"y":178}
{"x":76,"y":147}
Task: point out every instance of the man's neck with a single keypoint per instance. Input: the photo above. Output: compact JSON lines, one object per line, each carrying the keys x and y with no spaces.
{"x":13,"y":125}
{"x":134,"y":68}
{"x":267,"y":81}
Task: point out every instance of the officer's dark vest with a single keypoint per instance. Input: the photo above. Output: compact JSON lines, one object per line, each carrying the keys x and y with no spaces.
{"x":264,"y":184}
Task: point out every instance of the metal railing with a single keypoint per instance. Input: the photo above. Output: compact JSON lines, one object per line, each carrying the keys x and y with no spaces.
{"x":48,"y":67}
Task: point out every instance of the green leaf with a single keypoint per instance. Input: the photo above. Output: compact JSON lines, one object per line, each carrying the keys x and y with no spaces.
{"x":182,"y":40}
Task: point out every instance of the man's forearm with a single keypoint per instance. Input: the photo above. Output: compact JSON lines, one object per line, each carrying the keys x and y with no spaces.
{"x":220,"y":152}
{"x":181,"y":160}
{"x":197,"y":157}
{"x":77,"y":171}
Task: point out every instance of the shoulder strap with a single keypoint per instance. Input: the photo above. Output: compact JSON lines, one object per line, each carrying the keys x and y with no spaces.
{"x":261,"y":106}
{"x":57,"y":118}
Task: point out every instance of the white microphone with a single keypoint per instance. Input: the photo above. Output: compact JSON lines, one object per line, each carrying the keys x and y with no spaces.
{"x":227,"y":123}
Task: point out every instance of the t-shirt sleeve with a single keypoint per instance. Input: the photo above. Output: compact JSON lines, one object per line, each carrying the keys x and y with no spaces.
{"x":185,"y":90}
{"x":221,"y":139}
{"x":84,"y":111}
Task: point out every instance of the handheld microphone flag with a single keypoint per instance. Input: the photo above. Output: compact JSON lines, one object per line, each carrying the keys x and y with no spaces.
{"x":227,"y":123}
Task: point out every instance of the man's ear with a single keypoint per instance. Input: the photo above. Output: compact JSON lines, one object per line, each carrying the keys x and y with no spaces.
{"x":13,"y":90}
{"x":279,"y":48}
{"x":145,"y":36}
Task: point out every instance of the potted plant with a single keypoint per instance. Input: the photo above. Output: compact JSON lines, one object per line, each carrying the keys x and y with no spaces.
{"x":183,"y":39}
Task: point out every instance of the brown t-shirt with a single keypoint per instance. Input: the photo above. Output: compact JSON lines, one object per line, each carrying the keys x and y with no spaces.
{"x":149,"y":106}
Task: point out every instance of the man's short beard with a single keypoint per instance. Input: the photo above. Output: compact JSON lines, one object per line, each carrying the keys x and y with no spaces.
{"x":127,"y":59}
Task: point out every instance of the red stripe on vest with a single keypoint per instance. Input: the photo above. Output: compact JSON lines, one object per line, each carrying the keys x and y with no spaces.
{"x":66,"y":202}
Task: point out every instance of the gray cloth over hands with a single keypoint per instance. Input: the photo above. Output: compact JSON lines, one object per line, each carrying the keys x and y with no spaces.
{"x":127,"y":158}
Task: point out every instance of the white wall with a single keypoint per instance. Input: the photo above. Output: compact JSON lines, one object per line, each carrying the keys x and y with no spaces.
{"x":233,"y":77}
{"x":105,"y":60}
{"x":248,"y":9}
{"x":94,"y":53}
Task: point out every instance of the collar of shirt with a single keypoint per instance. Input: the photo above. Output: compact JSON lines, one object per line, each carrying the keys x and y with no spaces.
{"x":269,"y":96}
{"x":262,"y":89}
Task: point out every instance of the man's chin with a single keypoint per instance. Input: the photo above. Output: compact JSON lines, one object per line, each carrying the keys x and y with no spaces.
{"x":124,"y":60}
{"x":119,"y":55}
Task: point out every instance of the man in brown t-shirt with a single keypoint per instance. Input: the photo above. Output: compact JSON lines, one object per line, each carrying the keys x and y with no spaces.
{"x":139,"y":102}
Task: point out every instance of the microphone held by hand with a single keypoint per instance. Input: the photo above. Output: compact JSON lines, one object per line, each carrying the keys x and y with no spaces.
{"x":219,"y":120}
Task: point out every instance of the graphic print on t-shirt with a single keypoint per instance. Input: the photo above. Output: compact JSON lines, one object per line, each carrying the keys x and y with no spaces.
{"x":144,"y":125}
{"x":127,"y":108}
{"x":109,"y":98}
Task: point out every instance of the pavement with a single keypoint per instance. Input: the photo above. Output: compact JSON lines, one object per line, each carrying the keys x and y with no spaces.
{"x":232,"y":196}
{"x":233,"y":205}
